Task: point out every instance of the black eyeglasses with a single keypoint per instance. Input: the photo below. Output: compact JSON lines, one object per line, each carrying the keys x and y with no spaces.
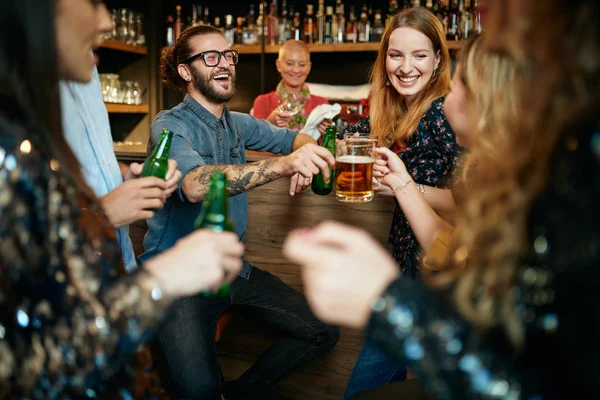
{"x":212,"y":58}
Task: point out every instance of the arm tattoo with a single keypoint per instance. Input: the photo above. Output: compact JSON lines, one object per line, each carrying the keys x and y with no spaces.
{"x":240,"y":178}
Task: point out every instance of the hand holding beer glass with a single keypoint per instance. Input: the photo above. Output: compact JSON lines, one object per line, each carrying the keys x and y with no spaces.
{"x":354,"y":169}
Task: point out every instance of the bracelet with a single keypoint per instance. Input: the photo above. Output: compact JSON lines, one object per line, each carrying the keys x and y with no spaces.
{"x":401,"y":187}
{"x":421,"y":188}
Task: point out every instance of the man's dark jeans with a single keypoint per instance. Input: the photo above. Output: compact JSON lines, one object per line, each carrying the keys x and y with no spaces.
{"x":188,"y":338}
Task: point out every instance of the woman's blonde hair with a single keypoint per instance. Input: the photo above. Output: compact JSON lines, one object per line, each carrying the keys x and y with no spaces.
{"x":391,"y":121}
{"x":494,"y":81}
{"x":564,"y":90}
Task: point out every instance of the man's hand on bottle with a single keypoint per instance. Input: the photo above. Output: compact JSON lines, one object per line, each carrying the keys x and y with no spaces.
{"x":304,"y":163}
{"x":172,"y":178}
{"x":203,"y":260}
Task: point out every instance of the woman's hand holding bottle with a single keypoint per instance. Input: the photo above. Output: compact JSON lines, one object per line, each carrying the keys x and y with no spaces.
{"x":203,"y":260}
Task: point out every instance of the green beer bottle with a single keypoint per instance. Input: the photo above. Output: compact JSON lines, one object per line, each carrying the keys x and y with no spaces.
{"x":214,"y":216}
{"x":318,"y":185}
{"x":158,"y":163}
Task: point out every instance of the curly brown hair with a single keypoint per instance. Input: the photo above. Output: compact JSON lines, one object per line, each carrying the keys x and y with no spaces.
{"x":563,"y":87}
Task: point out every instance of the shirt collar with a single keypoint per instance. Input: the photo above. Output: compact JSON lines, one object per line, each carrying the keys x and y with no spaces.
{"x":204,"y":114}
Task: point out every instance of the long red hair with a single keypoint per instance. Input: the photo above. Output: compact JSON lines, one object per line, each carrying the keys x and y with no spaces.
{"x":391,"y":120}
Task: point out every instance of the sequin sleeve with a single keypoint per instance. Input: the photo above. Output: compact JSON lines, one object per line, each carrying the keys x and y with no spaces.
{"x":418,"y":328}
{"x":68,"y":323}
{"x":555,"y":294}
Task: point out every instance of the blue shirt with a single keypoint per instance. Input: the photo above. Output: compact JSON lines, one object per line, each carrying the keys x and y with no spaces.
{"x":87,"y":130}
{"x":200,"y":138}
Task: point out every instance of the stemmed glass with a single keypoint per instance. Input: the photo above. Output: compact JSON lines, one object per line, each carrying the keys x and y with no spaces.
{"x":290,"y":106}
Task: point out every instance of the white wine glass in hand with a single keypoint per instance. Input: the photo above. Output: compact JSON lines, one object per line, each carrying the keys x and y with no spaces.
{"x":290,"y":106}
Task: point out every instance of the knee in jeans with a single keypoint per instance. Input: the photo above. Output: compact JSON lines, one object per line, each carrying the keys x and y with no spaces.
{"x":199,"y":386}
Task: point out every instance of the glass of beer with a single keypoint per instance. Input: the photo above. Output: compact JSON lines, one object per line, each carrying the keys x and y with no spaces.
{"x":354,"y":169}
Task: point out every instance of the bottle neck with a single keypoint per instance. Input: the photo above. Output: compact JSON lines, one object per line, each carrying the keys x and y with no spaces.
{"x":164,"y":146}
{"x":217,"y":198}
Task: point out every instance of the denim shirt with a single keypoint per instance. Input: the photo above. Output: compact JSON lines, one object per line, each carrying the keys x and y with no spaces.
{"x":87,"y":130}
{"x":200,"y":138}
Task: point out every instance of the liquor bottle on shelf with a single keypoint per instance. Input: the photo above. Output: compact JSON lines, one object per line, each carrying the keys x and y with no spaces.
{"x":272,"y":23}
{"x":178,"y":27}
{"x":429,"y":5}
{"x":335,"y":24}
{"x":194,"y":16}
{"x":214,"y":216}
{"x":229,"y":30}
{"x":320,"y":36}
{"x":170,"y":39}
{"x":453,"y":21}
{"x":351,"y":27}
{"x":378,"y":27}
{"x":416,"y":3}
{"x":364,"y":28}
{"x":296,"y":31}
{"x":442,"y":14}
{"x":435,"y":8}
{"x":329,"y":25}
{"x":217,"y":24}
{"x":341,"y":23}
{"x":392,"y":10}
{"x":477,"y":17}
{"x":250,"y":33}
{"x":238,"y":34}
{"x":284,"y":27}
{"x":206,"y":18}
{"x":261,"y":24}
{"x":310,"y":26}
{"x":468,"y":22}
{"x":368,"y":19}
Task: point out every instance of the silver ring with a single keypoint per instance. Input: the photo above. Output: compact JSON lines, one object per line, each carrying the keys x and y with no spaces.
{"x":376,"y":182}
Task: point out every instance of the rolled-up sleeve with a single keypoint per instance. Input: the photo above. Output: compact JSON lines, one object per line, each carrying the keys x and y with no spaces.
{"x":259,"y":135}
{"x":182,"y":149}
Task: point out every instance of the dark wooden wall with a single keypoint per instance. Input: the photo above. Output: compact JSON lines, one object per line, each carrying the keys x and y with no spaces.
{"x":272,"y":214}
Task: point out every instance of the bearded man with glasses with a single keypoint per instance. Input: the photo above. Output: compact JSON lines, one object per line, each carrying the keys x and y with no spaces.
{"x":209,"y":138}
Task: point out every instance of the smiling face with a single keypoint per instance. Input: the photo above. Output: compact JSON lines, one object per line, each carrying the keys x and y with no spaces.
{"x":294,"y":66}
{"x":410,"y":62}
{"x":216,"y":84}
{"x":80,"y":25}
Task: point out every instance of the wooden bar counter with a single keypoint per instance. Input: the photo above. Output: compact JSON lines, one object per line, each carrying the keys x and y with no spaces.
{"x":272,"y":214}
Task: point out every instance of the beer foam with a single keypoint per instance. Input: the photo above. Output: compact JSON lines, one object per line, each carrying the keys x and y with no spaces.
{"x":355,"y":159}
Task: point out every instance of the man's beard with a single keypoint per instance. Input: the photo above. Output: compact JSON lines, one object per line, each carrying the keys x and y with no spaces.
{"x":206,"y":88}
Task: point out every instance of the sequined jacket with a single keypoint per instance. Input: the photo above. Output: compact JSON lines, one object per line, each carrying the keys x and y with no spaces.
{"x":68,"y":323}
{"x":556,"y":293}
{"x":430,"y":155}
